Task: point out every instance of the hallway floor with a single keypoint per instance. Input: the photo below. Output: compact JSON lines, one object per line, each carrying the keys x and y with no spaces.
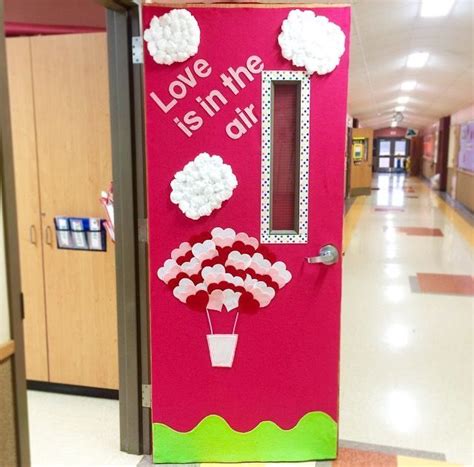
{"x":407,"y":345}
{"x":407,"y":335}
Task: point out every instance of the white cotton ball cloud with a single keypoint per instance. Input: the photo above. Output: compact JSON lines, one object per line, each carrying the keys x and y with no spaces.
{"x":311,"y":41}
{"x":173,"y":37}
{"x":202,"y":186}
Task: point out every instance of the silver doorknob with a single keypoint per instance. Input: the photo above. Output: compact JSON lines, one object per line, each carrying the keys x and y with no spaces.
{"x":328,"y":255}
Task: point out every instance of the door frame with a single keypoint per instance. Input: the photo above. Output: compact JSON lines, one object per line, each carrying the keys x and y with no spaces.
{"x":130,"y":206}
{"x":15,"y":299}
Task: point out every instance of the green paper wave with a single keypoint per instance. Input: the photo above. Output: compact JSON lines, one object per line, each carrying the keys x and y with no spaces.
{"x":314,"y":437}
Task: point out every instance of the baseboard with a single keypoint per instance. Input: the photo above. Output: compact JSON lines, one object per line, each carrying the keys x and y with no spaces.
{"x":72,"y":389}
{"x":361,"y":191}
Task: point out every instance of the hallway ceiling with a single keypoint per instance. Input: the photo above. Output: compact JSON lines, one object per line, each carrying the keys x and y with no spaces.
{"x":384,"y":33}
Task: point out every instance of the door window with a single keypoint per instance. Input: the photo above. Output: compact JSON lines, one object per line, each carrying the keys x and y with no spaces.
{"x":384,"y":149}
{"x":400,"y":147}
{"x":285,"y":157}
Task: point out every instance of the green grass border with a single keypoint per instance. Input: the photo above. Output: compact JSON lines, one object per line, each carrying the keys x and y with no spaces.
{"x":314,"y":437}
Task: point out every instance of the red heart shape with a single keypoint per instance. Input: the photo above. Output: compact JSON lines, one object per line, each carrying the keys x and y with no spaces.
{"x":185,"y":258}
{"x":196,"y":278}
{"x":174,"y":282}
{"x":236,"y":272}
{"x":268,"y":280}
{"x":266,"y":253}
{"x":247,"y":303}
{"x":243,"y":248}
{"x":199,"y":238}
{"x":198,"y":301}
{"x":223,"y":253}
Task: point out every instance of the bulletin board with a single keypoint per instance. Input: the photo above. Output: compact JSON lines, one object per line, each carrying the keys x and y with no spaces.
{"x":210,"y":107}
{"x":466,"y":147}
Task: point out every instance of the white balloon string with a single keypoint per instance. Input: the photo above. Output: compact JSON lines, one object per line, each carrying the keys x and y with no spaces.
{"x":235,"y":322}
{"x":209,"y":321}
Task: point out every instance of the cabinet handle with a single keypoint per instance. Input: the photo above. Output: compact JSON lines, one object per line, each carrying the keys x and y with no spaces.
{"x":49,"y":236}
{"x":33,"y":237}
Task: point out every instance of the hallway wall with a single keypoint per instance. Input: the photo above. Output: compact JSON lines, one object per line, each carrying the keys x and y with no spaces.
{"x":389,"y":132}
{"x":460,"y":181}
{"x":430,"y":150}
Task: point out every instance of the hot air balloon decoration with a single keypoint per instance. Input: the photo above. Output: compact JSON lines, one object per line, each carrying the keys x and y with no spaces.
{"x":220,"y":270}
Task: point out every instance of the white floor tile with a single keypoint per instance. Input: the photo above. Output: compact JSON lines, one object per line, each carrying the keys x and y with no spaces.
{"x":407,"y":358}
{"x":75,"y":431}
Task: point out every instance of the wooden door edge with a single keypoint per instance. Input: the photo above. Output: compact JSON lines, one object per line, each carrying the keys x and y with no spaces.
{"x":128,"y":161}
{"x":12,"y":259}
{"x":7,"y":349}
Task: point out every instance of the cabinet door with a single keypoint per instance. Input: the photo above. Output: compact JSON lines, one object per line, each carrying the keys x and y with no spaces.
{"x":28,"y":206}
{"x":74,"y":153}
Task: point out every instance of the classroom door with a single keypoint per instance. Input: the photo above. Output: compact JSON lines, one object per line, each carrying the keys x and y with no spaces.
{"x":245,"y":170}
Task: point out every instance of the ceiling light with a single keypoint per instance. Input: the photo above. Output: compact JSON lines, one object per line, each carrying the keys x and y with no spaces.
{"x":417,"y":59}
{"x":408,"y":85}
{"x":403,"y":100}
{"x":433,"y":8}
{"x":393,"y":124}
{"x":399,"y":108}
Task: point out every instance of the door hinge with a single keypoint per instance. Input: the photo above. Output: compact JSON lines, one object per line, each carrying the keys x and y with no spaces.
{"x":22,"y":305}
{"x":143,"y":230}
{"x":137,"y":50}
{"x":146,"y":395}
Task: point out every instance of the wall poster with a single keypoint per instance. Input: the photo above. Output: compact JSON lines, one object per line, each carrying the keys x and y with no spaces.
{"x":245,"y":130}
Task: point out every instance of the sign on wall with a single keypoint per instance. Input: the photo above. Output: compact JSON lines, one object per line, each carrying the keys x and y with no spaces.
{"x":246,"y":113}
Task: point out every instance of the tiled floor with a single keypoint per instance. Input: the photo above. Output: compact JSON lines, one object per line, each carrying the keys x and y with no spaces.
{"x":75,"y":431}
{"x":419,"y":231}
{"x":455,"y":284}
{"x":407,"y":358}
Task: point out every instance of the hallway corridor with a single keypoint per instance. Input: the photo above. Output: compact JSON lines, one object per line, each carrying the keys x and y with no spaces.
{"x":406,"y":369}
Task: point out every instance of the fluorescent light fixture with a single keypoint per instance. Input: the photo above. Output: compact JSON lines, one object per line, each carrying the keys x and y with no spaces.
{"x":408,"y":85}
{"x":417,"y":59}
{"x":399,"y":108}
{"x":393,"y":124}
{"x":403,"y":100}
{"x":434,"y":8}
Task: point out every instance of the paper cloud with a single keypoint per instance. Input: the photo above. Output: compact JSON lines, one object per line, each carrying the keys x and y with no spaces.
{"x":173,"y":37}
{"x":311,"y":41}
{"x":202,"y":186}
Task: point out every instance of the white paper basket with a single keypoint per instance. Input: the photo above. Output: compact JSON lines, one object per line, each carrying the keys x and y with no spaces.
{"x":222,"y":349}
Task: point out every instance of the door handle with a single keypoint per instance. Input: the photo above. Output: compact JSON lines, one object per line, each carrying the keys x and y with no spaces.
{"x":33,"y":238}
{"x":328,"y":255}
{"x":48,"y":236}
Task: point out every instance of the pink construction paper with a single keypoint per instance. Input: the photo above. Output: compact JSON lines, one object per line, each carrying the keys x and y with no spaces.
{"x":287,"y":359}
